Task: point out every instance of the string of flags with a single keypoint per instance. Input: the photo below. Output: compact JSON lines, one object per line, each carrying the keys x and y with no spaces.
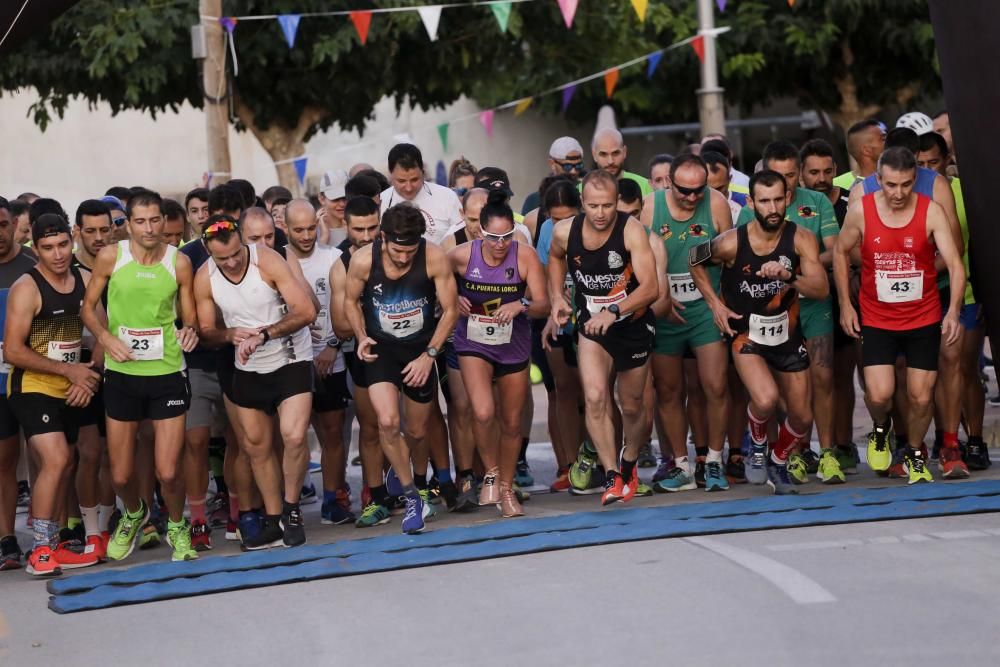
{"x":487,"y":117}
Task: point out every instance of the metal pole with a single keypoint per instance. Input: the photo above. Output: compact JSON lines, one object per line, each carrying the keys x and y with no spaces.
{"x":215,"y":94}
{"x":711,"y":109}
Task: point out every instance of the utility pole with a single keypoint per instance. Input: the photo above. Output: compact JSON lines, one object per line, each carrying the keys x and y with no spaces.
{"x":711,"y":108}
{"x":216,"y":98}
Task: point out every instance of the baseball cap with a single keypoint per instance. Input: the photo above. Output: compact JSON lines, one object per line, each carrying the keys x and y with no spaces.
{"x":113,"y":202}
{"x":332,"y":184}
{"x":494,"y":179}
{"x":563,"y":146}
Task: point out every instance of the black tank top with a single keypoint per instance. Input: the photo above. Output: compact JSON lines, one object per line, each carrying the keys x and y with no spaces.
{"x":461,"y":237}
{"x":746,"y":293}
{"x":603,"y":276}
{"x":401,"y":310}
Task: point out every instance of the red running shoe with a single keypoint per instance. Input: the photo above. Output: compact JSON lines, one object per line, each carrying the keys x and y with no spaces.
{"x":201,"y":535}
{"x":614,"y":488}
{"x":42,"y":563}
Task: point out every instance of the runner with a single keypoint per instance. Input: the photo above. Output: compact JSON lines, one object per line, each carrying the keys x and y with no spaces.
{"x":175,"y":223}
{"x":899,"y":232}
{"x":610,"y":152}
{"x":397,"y":279}
{"x":144,"y":378}
{"x":332,"y":198}
{"x":687,"y":214}
{"x":493,"y":342}
{"x":865,"y":142}
{"x":48,"y":385}
{"x":565,"y":157}
{"x":196,"y":206}
{"x":766,"y":265}
{"x":440,"y":205}
{"x":614,"y":277}
{"x":265,"y":310}
{"x":659,"y":171}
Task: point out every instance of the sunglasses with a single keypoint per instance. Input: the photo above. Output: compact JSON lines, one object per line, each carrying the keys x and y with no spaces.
{"x":217,"y":228}
{"x":688,"y":192}
{"x":570,"y":166}
{"x":498,"y":238}
{"x":119,"y":221}
{"x":460,"y":191}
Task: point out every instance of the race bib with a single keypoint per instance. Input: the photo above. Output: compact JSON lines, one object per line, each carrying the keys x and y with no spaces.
{"x":899,"y":286}
{"x":67,"y":352}
{"x":769,"y":330}
{"x":682,"y":287}
{"x":4,"y":366}
{"x":598,"y":304}
{"x":402,"y":325}
{"x":486,"y":331}
{"x":143,"y":344}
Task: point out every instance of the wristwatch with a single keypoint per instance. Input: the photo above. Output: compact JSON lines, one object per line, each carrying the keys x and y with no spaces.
{"x":794,"y":277}
{"x":525,"y":304}
{"x":431,"y":351}
{"x":263,"y":332}
{"x":613,"y":309}
{"x":335,"y":343}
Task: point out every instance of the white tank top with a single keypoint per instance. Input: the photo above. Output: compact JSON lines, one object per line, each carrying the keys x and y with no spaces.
{"x":316,"y":269}
{"x":253,"y":304}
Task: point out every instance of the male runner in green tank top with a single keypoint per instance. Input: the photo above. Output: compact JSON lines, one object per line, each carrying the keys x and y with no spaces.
{"x":686,"y":215}
{"x":145,"y":376}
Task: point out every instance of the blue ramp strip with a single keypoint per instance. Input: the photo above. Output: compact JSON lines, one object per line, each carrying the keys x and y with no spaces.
{"x":616,"y":529}
{"x":524,"y":527}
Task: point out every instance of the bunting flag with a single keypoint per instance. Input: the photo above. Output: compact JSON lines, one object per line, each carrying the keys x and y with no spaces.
{"x":229,"y":24}
{"x":362,"y":21}
{"x":640,"y":7}
{"x":289,"y":25}
{"x":443,"y":133}
{"x":698,"y":44}
{"x":431,"y":16}
{"x":721,"y":4}
{"x":523,"y":105}
{"x":501,"y":10}
{"x":653,"y":63}
{"x":568,"y":9}
{"x":610,"y":81}
{"x":486,"y":120}
{"x":300,"y":168}
{"x":441,"y":173}
{"x":567,"y":97}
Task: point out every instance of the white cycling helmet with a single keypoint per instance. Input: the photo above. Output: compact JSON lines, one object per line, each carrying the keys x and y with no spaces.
{"x":919,"y":122}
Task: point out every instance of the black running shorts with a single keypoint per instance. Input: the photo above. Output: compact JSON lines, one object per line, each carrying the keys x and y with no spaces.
{"x":920,"y":347}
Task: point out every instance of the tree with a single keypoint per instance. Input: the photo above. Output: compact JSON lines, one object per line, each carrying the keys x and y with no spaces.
{"x":847,"y":57}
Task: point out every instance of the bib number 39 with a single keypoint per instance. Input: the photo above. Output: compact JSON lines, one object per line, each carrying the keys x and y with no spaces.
{"x":68,"y":352}
{"x":769,"y":330}
{"x":143,"y":344}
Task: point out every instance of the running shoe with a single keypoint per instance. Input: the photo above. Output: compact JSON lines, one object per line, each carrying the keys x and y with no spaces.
{"x":699,"y":471}
{"x":646,"y":457}
{"x":374,"y":514}
{"x":10,"y":553}
{"x":977,"y":456}
{"x":449,"y":492}
{"x":847,"y":457}
{"x":23,"y":497}
{"x":434,"y":491}
{"x":293,"y":526}
{"x":581,"y":471}
{"x":778,"y":479}
{"x":631,"y":485}
{"x":337,"y":512}
{"x":468,"y":495}
{"x":307,"y":496}
{"x":614,"y":488}
{"x":917,"y":468}
{"x":269,"y":534}
{"x":522,"y":495}
{"x":596,"y":484}
{"x":811,"y":459}
{"x":643,"y":490}
{"x":667,"y":463}
{"x":150,"y":538}
{"x":879,"y":451}
{"x":734,"y":469}
{"x":796,"y":466}
{"x":562,"y":480}
{"x":755,"y":463}
{"x":509,"y":506}
{"x":232,"y":531}
{"x":356,"y":461}
{"x":522,"y":476}
{"x":127,"y":533}
{"x":897,"y":469}
{"x":715,"y":480}
{"x":489,"y":493}
{"x":995,"y":401}
{"x":249,"y":526}
{"x":315,"y":466}
{"x":97,"y":545}
{"x":116,"y":516}
{"x":42,"y":563}
{"x":179,"y":539}
{"x":413,"y":518}
{"x":429,"y":510}
{"x":829,"y":468}
{"x":676,"y":480}
{"x":201,"y":536}
{"x":218,"y":511}
{"x":951,"y":463}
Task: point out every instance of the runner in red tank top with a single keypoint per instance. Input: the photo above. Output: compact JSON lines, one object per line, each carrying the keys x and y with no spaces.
{"x":899,"y":233}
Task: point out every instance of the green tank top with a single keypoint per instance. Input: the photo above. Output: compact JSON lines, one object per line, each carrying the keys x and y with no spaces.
{"x":963,"y":222}
{"x":678,"y":238}
{"x":141,"y":312}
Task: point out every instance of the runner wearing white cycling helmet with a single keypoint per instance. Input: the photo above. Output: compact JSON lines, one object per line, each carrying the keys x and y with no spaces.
{"x":917,"y":121}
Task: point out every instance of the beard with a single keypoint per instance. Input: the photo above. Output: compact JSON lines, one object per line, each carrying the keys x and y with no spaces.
{"x":765,"y":221}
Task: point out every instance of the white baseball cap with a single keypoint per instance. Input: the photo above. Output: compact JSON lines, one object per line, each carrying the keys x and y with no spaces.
{"x":332,"y":184}
{"x":563,"y":146}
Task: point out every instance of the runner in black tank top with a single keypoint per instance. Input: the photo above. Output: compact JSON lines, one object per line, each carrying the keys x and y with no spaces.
{"x":766,"y":265}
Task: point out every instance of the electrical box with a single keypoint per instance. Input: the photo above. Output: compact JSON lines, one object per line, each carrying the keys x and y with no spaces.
{"x":198,"y":49}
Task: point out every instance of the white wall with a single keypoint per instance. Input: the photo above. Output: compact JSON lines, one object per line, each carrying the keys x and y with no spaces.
{"x":89,"y":150}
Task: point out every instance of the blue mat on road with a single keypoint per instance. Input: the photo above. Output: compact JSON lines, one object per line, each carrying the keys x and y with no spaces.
{"x":161,"y":581}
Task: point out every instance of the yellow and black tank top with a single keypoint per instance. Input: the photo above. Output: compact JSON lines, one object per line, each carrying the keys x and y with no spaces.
{"x":55,"y":333}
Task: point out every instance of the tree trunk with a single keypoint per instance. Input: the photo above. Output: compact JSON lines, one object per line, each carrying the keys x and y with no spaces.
{"x":283,"y":144}
{"x":851,"y":110}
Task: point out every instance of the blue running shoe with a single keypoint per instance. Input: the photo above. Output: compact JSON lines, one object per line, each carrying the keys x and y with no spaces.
{"x":338,"y":511}
{"x":778,"y":479}
{"x":307,"y":496}
{"x":314,"y":467}
{"x":522,"y":476}
{"x":715,"y":479}
{"x":676,"y":480}
{"x":392,"y":484}
{"x":413,"y":519}
{"x":662,"y":470}
{"x":249,"y":526}
{"x":755,"y":463}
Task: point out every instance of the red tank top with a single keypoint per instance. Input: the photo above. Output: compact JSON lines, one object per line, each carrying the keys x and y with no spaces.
{"x":898,"y":279}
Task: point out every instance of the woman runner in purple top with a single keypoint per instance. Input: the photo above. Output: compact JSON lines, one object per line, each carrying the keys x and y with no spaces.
{"x":493,"y":342}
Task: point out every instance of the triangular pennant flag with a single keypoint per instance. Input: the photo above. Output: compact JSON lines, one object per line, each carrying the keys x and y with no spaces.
{"x":568,"y":9}
{"x":698,"y":44}
{"x":431,"y":16}
{"x":721,"y":4}
{"x":486,"y":119}
{"x":228,"y":22}
{"x":640,"y":7}
{"x":567,"y":97}
{"x":300,"y":168}
{"x":653,"y":63}
{"x":362,"y":21}
{"x":523,"y":105}
{"x":501,"y":10}
{"x":443,"y":133}
{"x":610,"y":81}
{"x":441,"y":173}
{"x":289,"y":25}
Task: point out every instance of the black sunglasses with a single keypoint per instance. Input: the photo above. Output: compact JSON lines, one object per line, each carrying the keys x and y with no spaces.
{"x":570,"y":166}
{"x":687,"y":192}
{"x":119,"y":221}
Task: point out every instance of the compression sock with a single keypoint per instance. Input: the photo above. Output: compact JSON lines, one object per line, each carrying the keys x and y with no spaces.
{"x":787,"y":438}
{"x":758,"y":428}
